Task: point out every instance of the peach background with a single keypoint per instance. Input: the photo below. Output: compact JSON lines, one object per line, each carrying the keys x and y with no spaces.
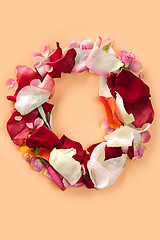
{"x":31,"y":206}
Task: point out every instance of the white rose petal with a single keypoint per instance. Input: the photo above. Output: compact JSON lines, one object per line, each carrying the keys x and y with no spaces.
{"x":104,"y":173}
{"x":62,"y":161}
{"x":29,"y":98}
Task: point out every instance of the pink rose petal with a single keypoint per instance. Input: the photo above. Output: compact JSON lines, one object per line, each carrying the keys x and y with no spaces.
{"x":48,"y":84}
{"x":102,"y":63}
{"x":145,"y":136}
{"x":27,"y":157}
{"x":38,"y":123}
{"x":106,"y":126}
{"x":136,"y":67}
{"x":75,"y":44}
{"x":35,"y":82}
{"x":86,"y":44}
{"x":107,"y":42}
{"x":36,"y":164}
{"x":45,"y":50}
{"x":11,"y":83}
{"x":55,"y":177}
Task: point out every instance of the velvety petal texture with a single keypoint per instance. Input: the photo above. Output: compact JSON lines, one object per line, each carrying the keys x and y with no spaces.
{"x":135,"y":94}
{"x":42,"y":137}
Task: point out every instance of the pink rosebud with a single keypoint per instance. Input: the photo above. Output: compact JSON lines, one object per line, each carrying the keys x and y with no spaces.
{"x":126,"y":57}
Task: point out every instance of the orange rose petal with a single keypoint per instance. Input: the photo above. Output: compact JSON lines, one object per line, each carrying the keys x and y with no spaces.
{"x":109,"y":104}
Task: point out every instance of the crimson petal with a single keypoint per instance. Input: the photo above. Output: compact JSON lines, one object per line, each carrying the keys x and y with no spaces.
{"x":66,"y":63}
{"x":65,"y":143}
{"x":112,"y":152}
{"x":18,"y":130}
{"x":24,"y":76}
{"x":130,"y":87}
{"x":142,"y":111}
{"x":135,"y":94}
{"x":42,"y":137}
{"x":56,"y":55}
{"x":87,"y":180}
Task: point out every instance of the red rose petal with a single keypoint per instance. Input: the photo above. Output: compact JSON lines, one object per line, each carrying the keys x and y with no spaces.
{"x":18,"y":130}
{"x":135,"y":94}
{"x":56,"y":55}
{"x":66,"y":63}
{"x":130,"y":87}
{"x":112,"y":152}
{"x":24,"y":76}
{"x":87,"y":180}
{"x":65,"y":143}
{"x":92,"y":147}
{"x":42,"y":137}
{"x":142,"y":111}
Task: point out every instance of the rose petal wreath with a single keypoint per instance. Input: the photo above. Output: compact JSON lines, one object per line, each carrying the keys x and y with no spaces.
{"x":126,"y":99}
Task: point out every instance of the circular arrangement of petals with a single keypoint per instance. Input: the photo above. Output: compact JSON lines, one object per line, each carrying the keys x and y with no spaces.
{"x":124,"y":95}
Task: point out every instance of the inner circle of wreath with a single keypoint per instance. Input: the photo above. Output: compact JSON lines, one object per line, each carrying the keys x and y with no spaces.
{"x":124,"y":95}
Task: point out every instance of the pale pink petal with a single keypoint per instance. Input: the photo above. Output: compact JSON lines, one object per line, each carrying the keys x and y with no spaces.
{"x":86,"y":44}
{"x":141,"y":75}
{"x":107,"y":127}
{"x":35,"y":82}
{"x":29,"y":125}
{"x":39,"y":64}
{"x":74,"y":44}
{"x":98,"y":174}
{"x":47,"y":174}
{"x":30,"y":98}
{"x":11,"y":83}
{"x":36,"y":164}
{"x":98,"y":42}
{"x":138,"y":151}
{"x":48,"y":68}
{"x":45,"y":50}
{"x":38,"y":123}
{"x":125,"y":149}
{"x":107,"y":42}
{"x":66,"y":183}
{"x":79,"y":184}
{"x":145,"y":137}
{"x":102,"y":63}
{"x":36,"y":65}
{"x":48,"y":84}
{"x":27,"y":157}
{"x":136,"y":67}
{"x":36,"y":54}
{"x":80,"y":60}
